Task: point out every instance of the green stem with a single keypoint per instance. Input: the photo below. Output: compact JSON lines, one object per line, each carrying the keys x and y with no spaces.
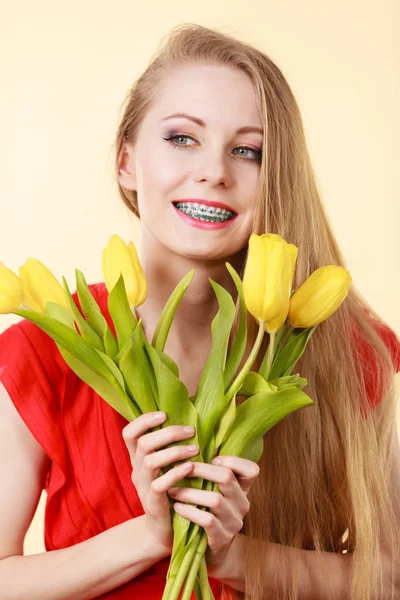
{"x":286,"y":336}
{"x":248,"y":364}
{"x":197,"y":589}
{"x":174,"y":584}
{"x":204,"y":583}
{"x":194,"y":569}
{"x":191,"y":573}
{"x":270,"y":353}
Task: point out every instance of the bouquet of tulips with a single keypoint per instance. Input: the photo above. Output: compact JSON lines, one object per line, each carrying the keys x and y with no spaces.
{"x":136,"y":376}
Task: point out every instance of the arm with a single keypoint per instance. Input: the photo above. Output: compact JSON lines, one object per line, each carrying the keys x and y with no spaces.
{"x":324,"y":575}
{"x":80,"y":572}
{"x":83,"y":571}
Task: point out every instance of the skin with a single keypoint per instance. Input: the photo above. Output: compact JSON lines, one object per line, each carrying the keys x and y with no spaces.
{"x":208,"y":164}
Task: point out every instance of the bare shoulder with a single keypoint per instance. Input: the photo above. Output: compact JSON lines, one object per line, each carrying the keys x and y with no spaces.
{"x":24,"y":466}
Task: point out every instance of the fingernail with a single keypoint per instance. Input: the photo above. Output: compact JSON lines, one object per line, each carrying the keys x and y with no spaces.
{"x":188,"y":429}
{"x":192,"y":448}
{"x":216,"y":461}
{"x":187,"y":466}
{"x":159,"y":416}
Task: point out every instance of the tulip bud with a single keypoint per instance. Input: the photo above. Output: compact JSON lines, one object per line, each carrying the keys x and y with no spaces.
{"x":120,"y":258}
{"x":40,"y":286}
{"x":268,"y":278}
{"x":11,"y":292}
{"x":319,"y":296}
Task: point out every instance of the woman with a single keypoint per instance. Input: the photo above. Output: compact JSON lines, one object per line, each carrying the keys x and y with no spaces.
{"x":327,"y":478}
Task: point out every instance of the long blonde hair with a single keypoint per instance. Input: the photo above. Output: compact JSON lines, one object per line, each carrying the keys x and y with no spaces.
{"x":324,"y":474}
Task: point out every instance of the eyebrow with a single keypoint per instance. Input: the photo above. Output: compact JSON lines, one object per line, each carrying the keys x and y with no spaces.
{"x":246,"y":129}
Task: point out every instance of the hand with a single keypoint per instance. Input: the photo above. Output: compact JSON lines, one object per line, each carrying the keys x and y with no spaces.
{"x":146,"y":464}
{"x":228,"y":508}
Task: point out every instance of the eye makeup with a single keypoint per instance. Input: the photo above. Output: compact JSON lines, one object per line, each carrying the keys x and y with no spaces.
{"x":172,"y":136}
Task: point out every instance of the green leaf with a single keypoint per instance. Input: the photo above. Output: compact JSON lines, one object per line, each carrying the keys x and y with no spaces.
{"x":95,"y":317}
{"x":254,"y":452}
{"x":60,"y":313}
{"x":225,"y":423}
{"x":165,"y":321}
{"x":83,"y":360}
{"x":289,"y":380}
{"x":239,"y":344}
{"x":110,"y":343}
{"x":258,"y":414}
{"x":70,"y":340}
{"x":84,"y":328}
{"x":287,"y":358}
{"x":169,"y":362}
{"x":113,"y":368}
{"x":138,"y":372}
{"x":121,"y":313}
{"x":210,"y":398}
{"x":254,"y":384}
{"x":112,"y":394}
{"x":173,"y":397}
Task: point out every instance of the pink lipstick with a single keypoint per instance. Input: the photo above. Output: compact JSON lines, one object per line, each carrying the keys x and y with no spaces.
{"x":205,"y":214}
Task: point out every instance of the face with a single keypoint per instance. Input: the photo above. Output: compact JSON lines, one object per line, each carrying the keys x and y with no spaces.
{"x":177,"y":159}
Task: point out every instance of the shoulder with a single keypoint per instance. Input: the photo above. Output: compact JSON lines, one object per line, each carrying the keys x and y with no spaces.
{"x":387,"y":335}
{"x":375,"y":367}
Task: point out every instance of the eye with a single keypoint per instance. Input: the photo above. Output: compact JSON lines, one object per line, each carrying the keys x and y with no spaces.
{"x":172,"y":140}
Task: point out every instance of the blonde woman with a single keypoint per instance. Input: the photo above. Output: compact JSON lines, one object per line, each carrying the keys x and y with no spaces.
{"x":210,"y":148}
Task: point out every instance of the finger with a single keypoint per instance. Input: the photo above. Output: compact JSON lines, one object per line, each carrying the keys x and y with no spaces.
{"x":227,"y":483}
{"x":161,"y":485}
{"x":217,"y":535}
{"x":139,"y":447}
{"x":156,"y":460}
{"x":247,"y":470}
{"x":217,"y":503}
{"x":138,"y":427}
{"x":157,"y":439}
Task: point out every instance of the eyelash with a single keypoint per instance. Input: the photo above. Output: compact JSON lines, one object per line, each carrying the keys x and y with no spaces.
{"x":171,"y":141}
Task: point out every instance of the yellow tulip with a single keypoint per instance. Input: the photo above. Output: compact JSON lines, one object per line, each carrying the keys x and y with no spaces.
{"x":120,"y":258}
{"x":268,"y":279}
{"x":319,"y":296}
{"x":40,"y":286}
{"x":11,"y":292}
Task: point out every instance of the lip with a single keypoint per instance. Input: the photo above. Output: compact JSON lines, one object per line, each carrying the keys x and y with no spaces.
{"x":203,"y":224}
{"x":206,"y":203}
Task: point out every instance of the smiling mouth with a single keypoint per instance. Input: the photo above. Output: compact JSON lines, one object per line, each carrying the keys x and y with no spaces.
{"x":204,"y":213}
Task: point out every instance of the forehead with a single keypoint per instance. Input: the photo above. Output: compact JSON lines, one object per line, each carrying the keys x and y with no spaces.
{"x":216,"y":94}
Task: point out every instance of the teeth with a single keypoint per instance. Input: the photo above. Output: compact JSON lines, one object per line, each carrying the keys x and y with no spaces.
{"x":205,"y":213}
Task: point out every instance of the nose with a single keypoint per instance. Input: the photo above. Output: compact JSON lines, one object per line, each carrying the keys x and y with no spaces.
{"x":214,"y":168}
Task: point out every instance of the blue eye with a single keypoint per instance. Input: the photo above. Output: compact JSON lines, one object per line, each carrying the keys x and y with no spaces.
{"x":172,"y":140}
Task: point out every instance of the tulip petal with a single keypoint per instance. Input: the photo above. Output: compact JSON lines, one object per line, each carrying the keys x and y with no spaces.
{"x":140,"y":276}
{"x":268,"y":277}
{"x":41,"y":285}
{"x":253,"y":278}
{"x":319,"y":296}
{"x":117,"y":259}
{"x":11,"y":291}
{"x":30,"y":299}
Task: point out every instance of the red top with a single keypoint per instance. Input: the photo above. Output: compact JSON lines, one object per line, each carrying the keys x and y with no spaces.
{"x":89,"y":486}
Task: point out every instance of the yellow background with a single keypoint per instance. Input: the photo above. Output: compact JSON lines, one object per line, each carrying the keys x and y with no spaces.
{"x":66,"y":68}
